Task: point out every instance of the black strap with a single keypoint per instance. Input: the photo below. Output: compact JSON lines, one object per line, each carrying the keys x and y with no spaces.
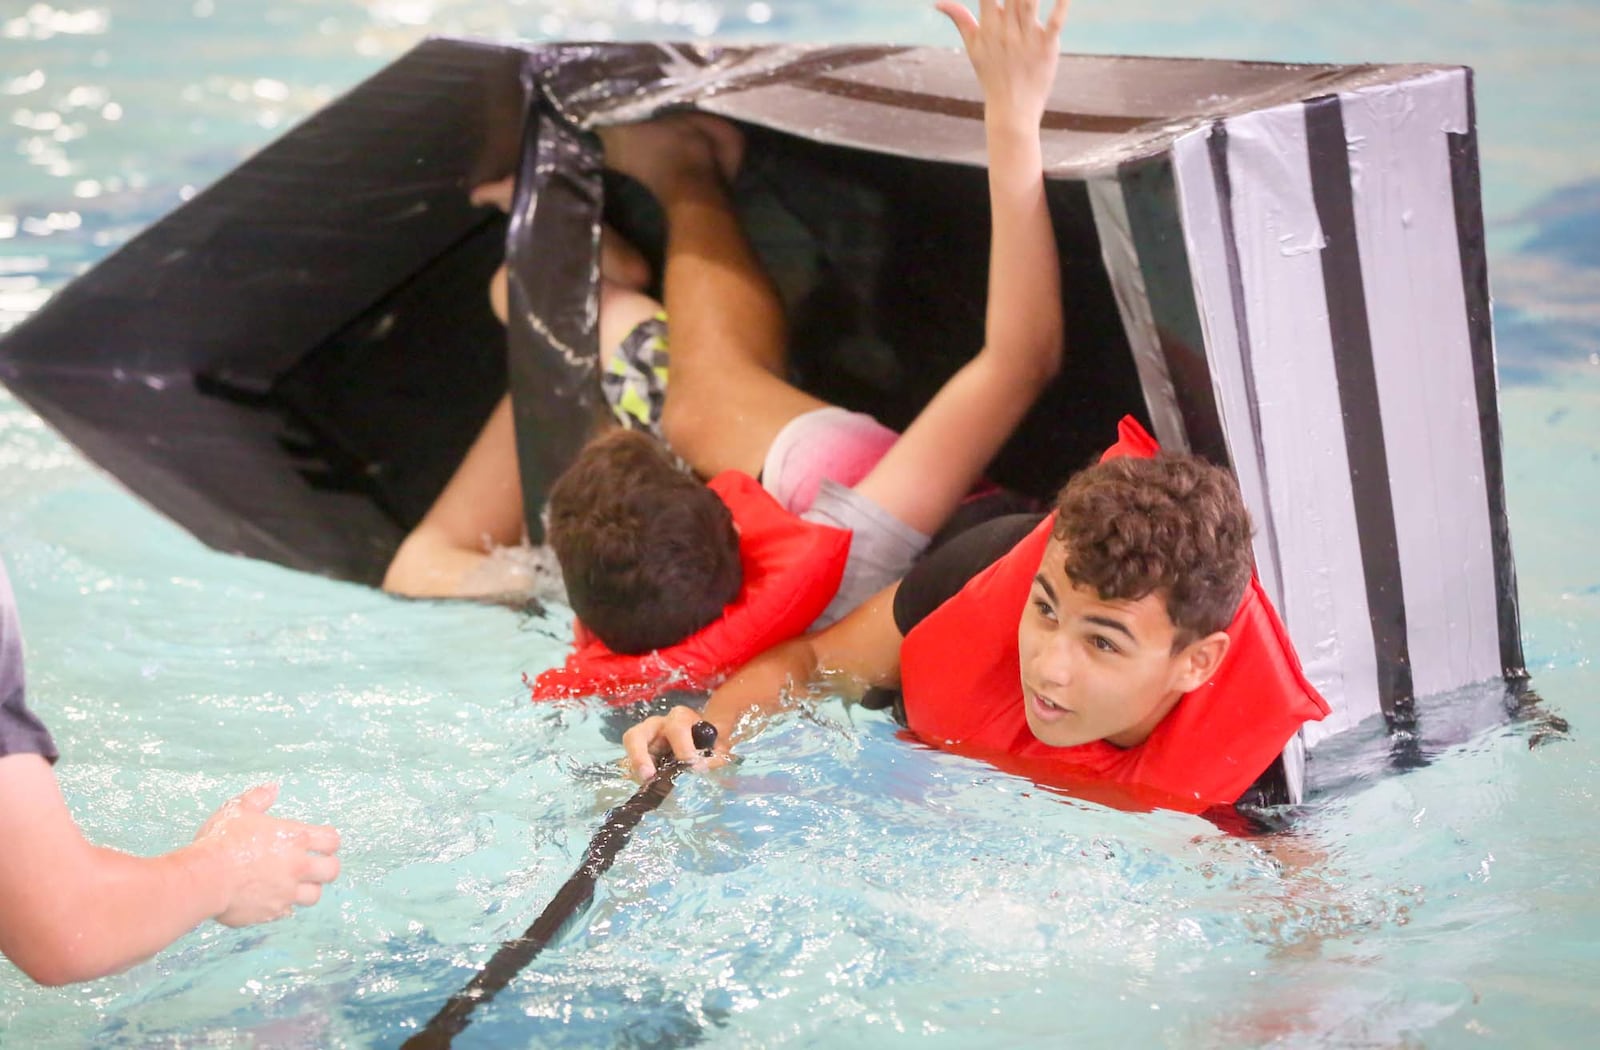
{"x":563,"y":910}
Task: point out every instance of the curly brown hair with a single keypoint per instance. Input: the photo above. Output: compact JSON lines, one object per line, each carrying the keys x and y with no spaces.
{"x":1173,"y":524}
{"x":648,"y":553}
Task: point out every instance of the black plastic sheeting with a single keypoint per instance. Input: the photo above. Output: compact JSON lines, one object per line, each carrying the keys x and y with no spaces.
{"x":289,"y":364}
{"x":292,"y":364}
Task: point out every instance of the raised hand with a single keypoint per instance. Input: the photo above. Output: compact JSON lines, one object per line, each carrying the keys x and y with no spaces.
{"x":1012,"y":53}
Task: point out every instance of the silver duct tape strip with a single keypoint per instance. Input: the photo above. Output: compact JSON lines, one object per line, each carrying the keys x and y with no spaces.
{"x":1205,"y":237}
{"x":1307,"y":468}
{"x":1294,"y":767}
{"x":1417,"y":315}
{"x":1127,"y":283}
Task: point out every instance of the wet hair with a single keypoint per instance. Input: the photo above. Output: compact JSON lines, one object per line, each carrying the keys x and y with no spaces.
{"x":648,"y":553}
{"x":1174,"y":524}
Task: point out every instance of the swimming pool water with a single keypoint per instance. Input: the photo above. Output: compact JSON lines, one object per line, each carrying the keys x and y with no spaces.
{"x":840,"y":888}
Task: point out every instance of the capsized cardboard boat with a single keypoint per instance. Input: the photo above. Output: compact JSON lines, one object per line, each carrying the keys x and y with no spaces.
{"x":1278,"y":266}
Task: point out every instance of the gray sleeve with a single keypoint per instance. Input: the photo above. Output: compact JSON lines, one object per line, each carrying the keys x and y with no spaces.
{"x":21,"y":732}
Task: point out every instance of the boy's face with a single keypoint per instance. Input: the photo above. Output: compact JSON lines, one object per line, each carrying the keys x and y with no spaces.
{"x":1098,"y":669}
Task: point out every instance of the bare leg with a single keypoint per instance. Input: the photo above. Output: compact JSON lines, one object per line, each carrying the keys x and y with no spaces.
{"x":727,"y":398}
{"x":621,"y":311}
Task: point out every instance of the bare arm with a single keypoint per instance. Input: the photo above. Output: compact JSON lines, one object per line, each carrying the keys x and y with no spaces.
{"x":948,"y":446}
{"x":1015,"y":59}
{"x":865,"y":646}
{"x":73,"y":911}
{"x":479,"y":509}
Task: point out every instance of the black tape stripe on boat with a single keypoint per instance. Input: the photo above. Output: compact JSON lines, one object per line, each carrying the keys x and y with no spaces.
{"x":1356,"y":375}
{"x":1466,"y":192}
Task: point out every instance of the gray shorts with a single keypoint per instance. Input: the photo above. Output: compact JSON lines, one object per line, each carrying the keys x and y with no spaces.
{"x":882,"y":547}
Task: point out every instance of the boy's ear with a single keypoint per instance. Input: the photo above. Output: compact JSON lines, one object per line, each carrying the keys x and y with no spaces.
{"x":1200,"y":660}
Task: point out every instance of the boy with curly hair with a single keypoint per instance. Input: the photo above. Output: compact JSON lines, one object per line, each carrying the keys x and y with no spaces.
{"x":1088,"y":647}
{"x":1146,"y":565}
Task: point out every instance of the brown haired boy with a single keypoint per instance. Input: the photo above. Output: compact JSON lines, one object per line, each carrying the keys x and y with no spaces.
{"x":649,"y":554}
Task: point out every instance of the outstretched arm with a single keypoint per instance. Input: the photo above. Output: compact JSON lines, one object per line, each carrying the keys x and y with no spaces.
{"x":74,"y":911}
{"x":864,"y":646}
{"x":948,"y":446}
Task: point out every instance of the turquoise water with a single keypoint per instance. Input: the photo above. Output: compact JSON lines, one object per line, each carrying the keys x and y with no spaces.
{"x":842,"y":888}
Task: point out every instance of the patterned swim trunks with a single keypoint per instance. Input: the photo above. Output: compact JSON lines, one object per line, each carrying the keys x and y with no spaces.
{"x":635,"y":379}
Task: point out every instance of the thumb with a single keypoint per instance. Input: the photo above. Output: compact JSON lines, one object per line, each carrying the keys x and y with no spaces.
{"x":260,"y":798}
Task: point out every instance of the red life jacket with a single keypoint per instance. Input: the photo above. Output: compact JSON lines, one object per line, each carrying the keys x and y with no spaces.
{"x":792,"y":569}
{"x":961,"y":676}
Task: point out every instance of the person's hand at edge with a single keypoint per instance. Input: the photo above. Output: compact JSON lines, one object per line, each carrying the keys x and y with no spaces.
{"x":261,"y":866}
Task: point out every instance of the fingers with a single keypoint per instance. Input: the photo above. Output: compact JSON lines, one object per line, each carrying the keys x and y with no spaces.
{"x":680,"y":734}
{"x":316,"y":867}
{"x":321,"y":838}
{"x":260,"y":798}
{"x":497,"y":193}
{"x":965,"y":24}
{"x":671,"y":734}
{"x":320,"y":869}
{"x":638,"y":744}
{"x":1058,"y":16}
{"x":318,"y":872}
{"x":1022,"y":13}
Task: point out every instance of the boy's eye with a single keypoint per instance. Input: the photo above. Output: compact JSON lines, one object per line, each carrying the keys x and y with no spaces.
{"x":1104,"y":644}
{"x":1043,"y":608}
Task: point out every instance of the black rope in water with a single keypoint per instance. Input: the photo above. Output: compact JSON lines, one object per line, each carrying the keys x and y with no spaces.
{"x":564,"y":908}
